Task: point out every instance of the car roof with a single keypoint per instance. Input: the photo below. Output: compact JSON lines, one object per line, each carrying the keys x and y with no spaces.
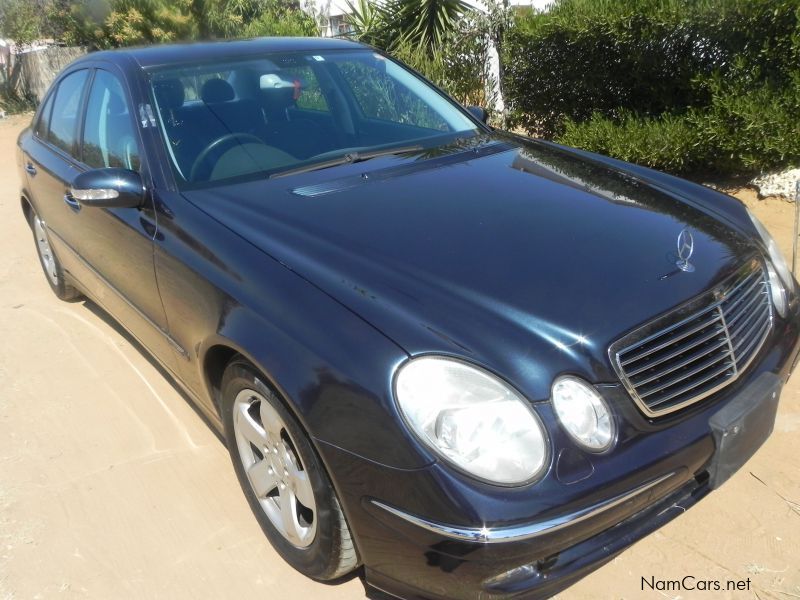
{"x":166,"y":54}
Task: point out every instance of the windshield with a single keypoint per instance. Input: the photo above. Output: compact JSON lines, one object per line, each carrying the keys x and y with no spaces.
{"x":295,"y":112}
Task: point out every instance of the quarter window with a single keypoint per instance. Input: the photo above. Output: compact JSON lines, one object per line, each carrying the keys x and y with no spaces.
{"x":43,"y":124}
{"x":383,"y":96}
{"x":109,"y":138}
{"x":64,"y":118}
{"x":309,"y":96}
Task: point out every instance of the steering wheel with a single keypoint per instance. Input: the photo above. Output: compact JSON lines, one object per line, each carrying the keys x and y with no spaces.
{"x":224,"y":139}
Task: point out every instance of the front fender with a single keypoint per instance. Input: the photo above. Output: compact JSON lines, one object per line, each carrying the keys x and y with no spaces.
{"x":333,"y":369}
{"x":340,"y":389}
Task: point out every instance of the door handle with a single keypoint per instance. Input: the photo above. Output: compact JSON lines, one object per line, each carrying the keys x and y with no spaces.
{"x":70,"y":201}
{"x":30,"y":168}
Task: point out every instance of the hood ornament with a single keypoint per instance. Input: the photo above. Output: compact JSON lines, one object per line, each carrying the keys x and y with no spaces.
{"x":685,"y":250}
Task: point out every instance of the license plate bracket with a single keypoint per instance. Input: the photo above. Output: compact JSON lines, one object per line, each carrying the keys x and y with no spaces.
{"x":742,"y":426}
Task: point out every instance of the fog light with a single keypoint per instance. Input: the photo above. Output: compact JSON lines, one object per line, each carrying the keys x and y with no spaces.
{"x":511,"y":578}
{"x":583,"y":414}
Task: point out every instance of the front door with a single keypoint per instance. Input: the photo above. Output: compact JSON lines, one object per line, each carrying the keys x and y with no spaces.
{"x":117,"y":243}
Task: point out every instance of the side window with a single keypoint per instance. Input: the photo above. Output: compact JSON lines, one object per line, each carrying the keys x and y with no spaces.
{"x":309,"y":95}
{"x":381,"y":96}
{"x":43,"y":124}
{"x":66,"y":106}
{"x":193,"y":84}
{"x":109,"y":137}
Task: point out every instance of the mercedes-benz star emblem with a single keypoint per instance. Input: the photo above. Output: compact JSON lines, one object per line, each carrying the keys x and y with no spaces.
{"x":685,"y":250}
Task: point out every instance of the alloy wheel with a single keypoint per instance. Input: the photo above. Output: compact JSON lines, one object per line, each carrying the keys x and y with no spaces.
{"x":276,"y":475}
{"x":45,"y":252}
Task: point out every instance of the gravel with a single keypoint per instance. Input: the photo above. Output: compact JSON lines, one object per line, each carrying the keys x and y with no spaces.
{"x":781,"y":183}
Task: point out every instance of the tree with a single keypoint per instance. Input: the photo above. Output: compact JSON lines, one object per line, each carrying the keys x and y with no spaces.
{"x":419,"y":23}
{"x":149,"y":21}
{"x":250,"y":18}
{"x":370,"y":22}
{"x":20,"y":21}
{"x":426,"y":22}
{"x":126,"y":22}
{"x":447,"y":41}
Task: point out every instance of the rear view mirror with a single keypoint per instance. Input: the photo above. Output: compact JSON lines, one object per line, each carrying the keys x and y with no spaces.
{"x":109,"y":188}
{"x":479,"y":113}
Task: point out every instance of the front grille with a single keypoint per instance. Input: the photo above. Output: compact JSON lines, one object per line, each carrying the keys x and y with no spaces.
{"x":696,"y":350}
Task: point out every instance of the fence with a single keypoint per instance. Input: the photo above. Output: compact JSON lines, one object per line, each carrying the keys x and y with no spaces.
{"x":32,"y":72}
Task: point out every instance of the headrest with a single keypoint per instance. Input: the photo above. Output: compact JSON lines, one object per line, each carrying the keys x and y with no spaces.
{"x":271,"y":81}
{"x":278,"y":93}
{"x":169,"y":93}
{"x":216,"y":90}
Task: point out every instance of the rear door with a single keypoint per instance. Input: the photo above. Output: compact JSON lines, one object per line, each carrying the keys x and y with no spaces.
{"x":50,"y":157}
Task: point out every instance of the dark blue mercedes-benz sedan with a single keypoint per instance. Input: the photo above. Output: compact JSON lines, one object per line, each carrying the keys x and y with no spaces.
{"x":475,"y":364}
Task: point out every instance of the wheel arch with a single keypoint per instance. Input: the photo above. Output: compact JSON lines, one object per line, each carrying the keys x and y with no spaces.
{"x":214,"y":362}
{"x":218,"y":352}
{"x":26,"y":205}
{"x":335,"y":381}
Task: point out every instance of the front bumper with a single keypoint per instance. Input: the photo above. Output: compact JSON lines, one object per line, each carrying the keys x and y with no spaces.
{"x":426,"y":534}
{"x":444,"y":576}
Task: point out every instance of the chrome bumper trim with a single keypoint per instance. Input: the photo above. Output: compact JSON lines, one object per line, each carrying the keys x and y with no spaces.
{"x":517,"y":533}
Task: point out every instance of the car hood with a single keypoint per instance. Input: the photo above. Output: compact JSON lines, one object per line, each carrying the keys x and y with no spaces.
{"x":519,"y":255}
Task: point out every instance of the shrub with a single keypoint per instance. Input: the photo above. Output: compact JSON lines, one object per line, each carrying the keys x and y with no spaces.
{"x":751,"y":129}
{"x":668,"y":143}
{"x":607,"y":56}
{"x":711,"y":83}
{"x":11,"y":103}
{"x":739,"y":133}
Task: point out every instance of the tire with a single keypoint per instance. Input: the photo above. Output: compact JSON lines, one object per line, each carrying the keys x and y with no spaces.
{"x":49,"y":261}
{"x":288,"y":489}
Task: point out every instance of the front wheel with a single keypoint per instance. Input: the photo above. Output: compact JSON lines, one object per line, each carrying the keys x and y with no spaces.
{"x":282,"y":478}
{"x":49,"y":261}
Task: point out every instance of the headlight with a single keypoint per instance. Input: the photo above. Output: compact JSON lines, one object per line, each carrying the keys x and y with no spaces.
{"x":472,"y":419}
{"x":780,"y":298}
{"x":781,"y":282}
{"x":583,"y":413}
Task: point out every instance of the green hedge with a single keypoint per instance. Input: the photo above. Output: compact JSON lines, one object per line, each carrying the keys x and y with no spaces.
{"x":679,"y":85}
{"x":739,"y":133}
{"x":668,"y":143}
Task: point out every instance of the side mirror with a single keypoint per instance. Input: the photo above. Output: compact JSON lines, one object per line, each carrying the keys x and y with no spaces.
{"x":479,"y":113}
{"x":108,"y":188}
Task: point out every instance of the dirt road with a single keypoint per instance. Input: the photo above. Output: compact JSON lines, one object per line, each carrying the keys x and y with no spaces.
{"x":111,"y":486}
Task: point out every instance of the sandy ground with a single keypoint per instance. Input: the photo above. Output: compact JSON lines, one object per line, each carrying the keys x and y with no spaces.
{"x":111,"y":486}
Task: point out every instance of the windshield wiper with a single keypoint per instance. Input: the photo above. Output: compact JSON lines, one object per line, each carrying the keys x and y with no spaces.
{"x":345,"y":159}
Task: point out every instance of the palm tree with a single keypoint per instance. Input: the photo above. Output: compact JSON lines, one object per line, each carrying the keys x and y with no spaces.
{"x":425,"y":23}
{"x":370,"y":22}
{"x":420,"y":23}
